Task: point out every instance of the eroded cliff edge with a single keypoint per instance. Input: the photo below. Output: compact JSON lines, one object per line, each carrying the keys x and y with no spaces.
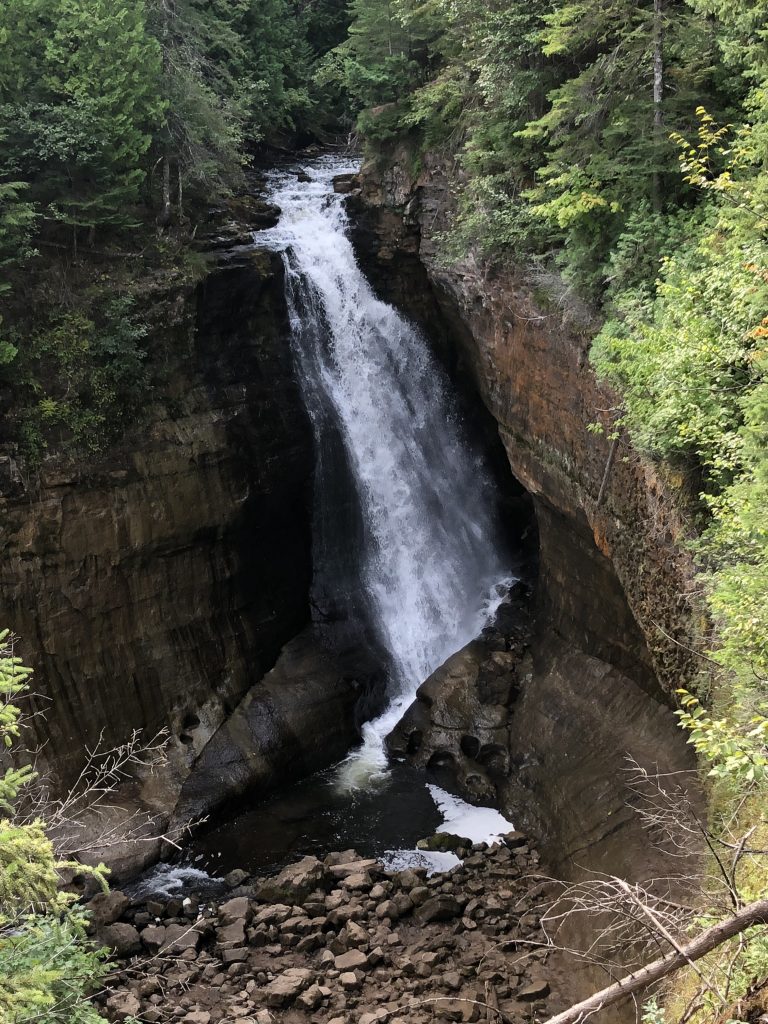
{"x":154,"y":589}
{"x":614,"y":595}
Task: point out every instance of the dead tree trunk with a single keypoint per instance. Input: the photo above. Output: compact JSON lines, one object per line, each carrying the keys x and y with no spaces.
{"x":752,"y":914}
{"x":658,"y":97}
{"x":164,"y":217}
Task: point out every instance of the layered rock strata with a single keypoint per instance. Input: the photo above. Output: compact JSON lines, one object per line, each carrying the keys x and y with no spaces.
{"x":615,"y":580}
{"x":614,"y":606}
{"x":299,"y":718}
{"x":153,"y":589}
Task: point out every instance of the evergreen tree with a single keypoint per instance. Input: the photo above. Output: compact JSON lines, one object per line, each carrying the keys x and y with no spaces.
{"x":633,"y":72}
{"x":387,"y":53}
{"x":79,"y":102}
{"x":47,"y":966}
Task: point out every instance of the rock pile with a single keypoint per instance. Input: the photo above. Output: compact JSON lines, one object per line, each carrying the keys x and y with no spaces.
{"x":342,"y":941}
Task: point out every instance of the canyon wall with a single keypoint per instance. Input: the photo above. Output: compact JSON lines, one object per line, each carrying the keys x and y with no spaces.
{"x":153,"y":589}
{"x":167,"y":585}
{"x":614,"y":606}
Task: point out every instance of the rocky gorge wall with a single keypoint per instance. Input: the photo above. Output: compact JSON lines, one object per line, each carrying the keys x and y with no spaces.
{"x":613,"y":604}
{"x":153,"y":590}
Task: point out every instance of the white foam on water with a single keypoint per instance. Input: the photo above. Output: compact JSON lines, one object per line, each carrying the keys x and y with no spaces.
{"x":435,"y":862}
{"x":480,"y":824}
{"x":367,"y":764}
{"x":168,"y":880}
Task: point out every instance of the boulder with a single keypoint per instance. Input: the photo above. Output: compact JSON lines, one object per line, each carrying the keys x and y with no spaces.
{"x":354,"y":867}
{"x":123,"y":1005}
{"x":107,"y":907}
{"x":536,"y":988}
{"x":275,"y":913}
{"x":388,"y":909}
{"x":311,"y":998}
{"x":294,"y":883}
{"x":444,"y":842}
{"x":238,"y":955}
{"x":122,"y":939}
{"x":238,"y":909}
{"x":284,"y":989}
{"x":231,"y":935}
{"x":154,"y":937}
{"x":179,"y":937}
{"x":458,"y":1009}
{"x":358,"y":882}
{"x":442,"y":907}
{"x":296,"y":719}
{"x":351,"y":960}
{"x":410,"y":878}
{"x":356,"y":934}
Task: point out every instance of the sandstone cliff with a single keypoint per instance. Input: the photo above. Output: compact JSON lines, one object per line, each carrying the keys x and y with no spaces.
{"x":613,"y":607}
{"x":154,"y":589}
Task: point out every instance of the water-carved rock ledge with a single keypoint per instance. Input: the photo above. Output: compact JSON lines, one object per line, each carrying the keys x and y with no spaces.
{"x":298,"y":719}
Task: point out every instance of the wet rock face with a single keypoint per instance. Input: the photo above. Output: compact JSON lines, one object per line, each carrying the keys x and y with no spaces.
{"x":299,"y":718}
{"x":345,"y":940}
{"x":459,"y":724}
{"x":152,"y":590}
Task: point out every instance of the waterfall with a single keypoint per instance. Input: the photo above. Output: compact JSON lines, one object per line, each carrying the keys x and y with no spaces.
{"x":423,"y":558}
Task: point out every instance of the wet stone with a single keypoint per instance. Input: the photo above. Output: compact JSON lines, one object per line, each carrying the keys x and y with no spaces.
{"x":349,"y":961}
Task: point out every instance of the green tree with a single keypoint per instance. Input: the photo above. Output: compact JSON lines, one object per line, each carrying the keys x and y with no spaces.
{"x":389,"y":53}
{"x":78,"y":90}
{"x":47,"y":967}
{"x":632,"y":73}
{"x":198,"y":143}
{"x":504,"y":82}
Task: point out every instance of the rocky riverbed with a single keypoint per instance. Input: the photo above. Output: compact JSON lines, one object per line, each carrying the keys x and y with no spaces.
{"x":344,"y":940}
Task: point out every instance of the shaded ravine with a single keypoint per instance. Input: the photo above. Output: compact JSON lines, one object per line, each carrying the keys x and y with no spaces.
{"x":409,"y":552}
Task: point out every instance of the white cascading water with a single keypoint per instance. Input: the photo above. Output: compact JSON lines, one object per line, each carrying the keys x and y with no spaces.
{"x":430,"y":567}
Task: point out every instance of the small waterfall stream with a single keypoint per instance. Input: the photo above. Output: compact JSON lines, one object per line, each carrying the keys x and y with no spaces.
{"x":428,"y":564}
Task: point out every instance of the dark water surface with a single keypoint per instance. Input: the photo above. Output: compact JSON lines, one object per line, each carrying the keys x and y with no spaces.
{"x":315,"y":817}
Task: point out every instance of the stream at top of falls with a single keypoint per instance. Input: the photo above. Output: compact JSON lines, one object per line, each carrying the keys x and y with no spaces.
{"x":416,"y":559}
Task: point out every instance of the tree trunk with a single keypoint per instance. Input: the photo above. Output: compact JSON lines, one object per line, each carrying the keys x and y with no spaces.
{"x":752,"y":914}
{"x":164,"y":217}
{"x":165,"y":213}
{"x":658,"y":97}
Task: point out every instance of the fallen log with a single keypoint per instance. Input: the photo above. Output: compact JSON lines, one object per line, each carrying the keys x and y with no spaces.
{"x":711,"y":938}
